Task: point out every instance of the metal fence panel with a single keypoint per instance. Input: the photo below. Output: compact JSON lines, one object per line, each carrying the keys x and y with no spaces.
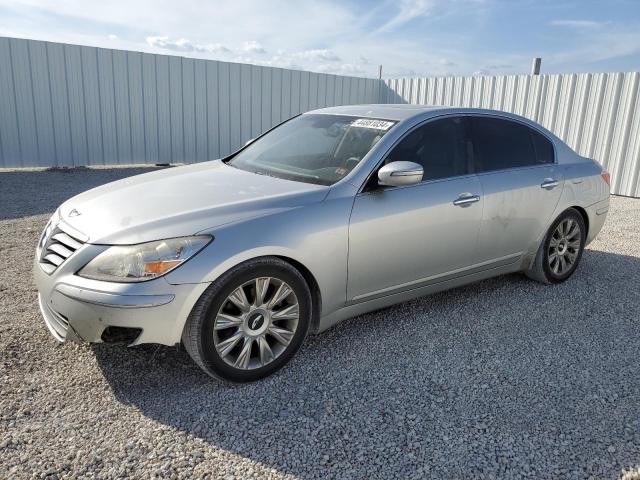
{"x":106,"y":95}
{"x":68,"y":105}
{"x":265,"y":98}
{"x":256,"y":101}
{"x":224,"y":108}
{"x":598,"y":115}
{"x":9,"y":137}
{"x":42,"y":100}
{"x":150,"y":105}
{"x":121,"y":104}
{"x":26,"y":118}
{"x":189,"y":109}
{"x":201,"y":105}
{"x":211,"y":95}
{"x":92,"y":109}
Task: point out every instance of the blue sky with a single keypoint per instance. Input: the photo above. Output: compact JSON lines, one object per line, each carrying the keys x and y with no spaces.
{"x":408,"y":37}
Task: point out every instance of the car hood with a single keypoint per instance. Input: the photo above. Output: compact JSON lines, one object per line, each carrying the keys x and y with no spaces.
{"x":180,"y":201}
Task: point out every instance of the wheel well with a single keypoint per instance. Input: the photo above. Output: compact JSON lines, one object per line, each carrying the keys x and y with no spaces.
{"x":585,"y":217}
{"x":313,"y":287}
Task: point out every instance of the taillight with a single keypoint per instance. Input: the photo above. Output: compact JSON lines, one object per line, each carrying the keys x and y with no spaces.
{"x":606,"y":176}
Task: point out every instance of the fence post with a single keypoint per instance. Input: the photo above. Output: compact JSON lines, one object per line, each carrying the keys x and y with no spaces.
{"x":535,"y":66}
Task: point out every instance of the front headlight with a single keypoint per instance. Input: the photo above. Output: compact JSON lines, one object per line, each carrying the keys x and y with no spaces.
{"x":145,"y":261}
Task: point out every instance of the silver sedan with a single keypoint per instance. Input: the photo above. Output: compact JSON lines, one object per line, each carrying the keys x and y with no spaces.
{"x":331,"y":214}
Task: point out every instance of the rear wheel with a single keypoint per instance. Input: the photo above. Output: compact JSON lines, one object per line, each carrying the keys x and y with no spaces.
{"x":561,"y":249}
{"x":249,"y":322}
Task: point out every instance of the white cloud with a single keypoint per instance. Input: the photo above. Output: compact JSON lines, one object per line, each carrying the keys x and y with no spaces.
{"x":113,"y":37}
{"x":318,"y":55}
{"x":409,"y":9}
{"x":577,"y":23}
{"x":319,"y":60}
{"x":214,"y":48}
{"x":341,"y":69}
{"x":178,"y":45}
{"x":253,"y":47}
{"x":184,"y":45}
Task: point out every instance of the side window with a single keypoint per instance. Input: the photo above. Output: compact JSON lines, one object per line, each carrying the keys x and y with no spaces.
{"x":500,"y":144}
{"x":543,"y":147}
{"x":440,"y":146}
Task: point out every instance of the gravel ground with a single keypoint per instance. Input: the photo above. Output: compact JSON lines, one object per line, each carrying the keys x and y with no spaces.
{"x":502,"y":379}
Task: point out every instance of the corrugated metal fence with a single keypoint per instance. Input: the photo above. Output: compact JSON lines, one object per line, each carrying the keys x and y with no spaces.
{"x":598,"y":115}
{"x":69,"y":105}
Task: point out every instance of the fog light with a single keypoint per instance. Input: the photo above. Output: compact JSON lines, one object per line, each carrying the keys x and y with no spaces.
{"x":120,"y":335}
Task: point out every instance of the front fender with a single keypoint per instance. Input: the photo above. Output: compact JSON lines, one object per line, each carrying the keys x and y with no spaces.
{"x":314,"y":235}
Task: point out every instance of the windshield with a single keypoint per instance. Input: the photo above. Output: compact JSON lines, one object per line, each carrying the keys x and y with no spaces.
{"x":313,"y":148}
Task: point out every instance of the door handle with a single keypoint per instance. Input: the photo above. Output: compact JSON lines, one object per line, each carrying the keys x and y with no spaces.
{"x":549,"y":183}
{"x":466,"y":199}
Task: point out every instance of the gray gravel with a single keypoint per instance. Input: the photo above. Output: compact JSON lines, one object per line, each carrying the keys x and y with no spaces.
{"x":502,"y":379}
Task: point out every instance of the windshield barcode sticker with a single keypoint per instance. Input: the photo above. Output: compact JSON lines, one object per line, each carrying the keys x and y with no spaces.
{"x":371,"y":123}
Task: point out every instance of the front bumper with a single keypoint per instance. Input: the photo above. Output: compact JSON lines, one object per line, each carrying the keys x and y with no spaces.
{"x":78,"y":309}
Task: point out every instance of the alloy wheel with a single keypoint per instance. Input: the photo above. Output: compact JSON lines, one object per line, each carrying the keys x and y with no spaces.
{"x":564,"y":246}
{"x":256,"y":323}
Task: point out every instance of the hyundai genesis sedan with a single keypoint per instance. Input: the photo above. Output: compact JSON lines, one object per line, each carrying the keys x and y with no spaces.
{"x":333,"y":213}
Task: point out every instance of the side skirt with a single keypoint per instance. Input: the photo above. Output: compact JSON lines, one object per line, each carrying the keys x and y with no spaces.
{"x":359,"y":308}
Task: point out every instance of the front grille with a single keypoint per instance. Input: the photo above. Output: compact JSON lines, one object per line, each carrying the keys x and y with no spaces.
{"x":57,"y":247}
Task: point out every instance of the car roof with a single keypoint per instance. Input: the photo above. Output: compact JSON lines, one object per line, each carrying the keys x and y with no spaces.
{"x":400,"y":112}
{"x":396,"y":112}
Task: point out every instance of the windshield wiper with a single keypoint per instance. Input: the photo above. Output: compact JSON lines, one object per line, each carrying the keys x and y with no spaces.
{"x":286,"y":175}
{"x":266,"y":174}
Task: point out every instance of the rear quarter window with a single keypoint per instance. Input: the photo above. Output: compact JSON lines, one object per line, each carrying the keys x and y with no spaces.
{"x":543,"y":148}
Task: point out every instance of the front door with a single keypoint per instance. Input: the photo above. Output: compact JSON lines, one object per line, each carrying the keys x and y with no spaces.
{"x":403,"y":237}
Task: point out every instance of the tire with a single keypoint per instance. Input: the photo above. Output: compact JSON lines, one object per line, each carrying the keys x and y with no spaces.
{"x":207,"y":346}
{"x":546,"y":267}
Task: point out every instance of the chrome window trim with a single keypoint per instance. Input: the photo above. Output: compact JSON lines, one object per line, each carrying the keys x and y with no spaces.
{"x":514,"y":169}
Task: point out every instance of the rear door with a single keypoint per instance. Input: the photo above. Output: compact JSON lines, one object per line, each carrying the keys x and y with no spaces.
{"x":520,"y":181}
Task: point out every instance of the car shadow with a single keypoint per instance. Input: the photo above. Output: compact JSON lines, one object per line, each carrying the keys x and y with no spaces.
{"x":53,"y":187}
{"x":439,"y":382}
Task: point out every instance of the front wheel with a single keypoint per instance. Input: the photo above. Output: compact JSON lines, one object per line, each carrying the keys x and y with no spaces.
{"x":561,"y":249}
{"x":250,"y":322}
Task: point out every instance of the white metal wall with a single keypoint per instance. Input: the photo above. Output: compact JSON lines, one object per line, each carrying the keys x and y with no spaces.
{"x":69,"y":105}
{"x":598,"y":115}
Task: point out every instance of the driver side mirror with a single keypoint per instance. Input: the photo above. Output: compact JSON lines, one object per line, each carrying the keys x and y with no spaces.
{"x":398,"y":174}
